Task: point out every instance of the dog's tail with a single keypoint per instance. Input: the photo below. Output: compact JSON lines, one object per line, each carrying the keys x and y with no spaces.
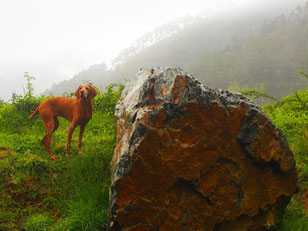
{"x":33,"y":114}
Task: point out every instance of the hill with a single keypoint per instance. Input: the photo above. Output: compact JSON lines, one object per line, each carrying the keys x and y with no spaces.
{"x":246,"y":49}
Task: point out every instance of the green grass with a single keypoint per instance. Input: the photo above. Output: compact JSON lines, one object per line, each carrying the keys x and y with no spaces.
{"x":71,"y":193}
{"x":295,"y":218}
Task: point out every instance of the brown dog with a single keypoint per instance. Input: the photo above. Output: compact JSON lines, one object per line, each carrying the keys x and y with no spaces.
{"x":78,"y":111}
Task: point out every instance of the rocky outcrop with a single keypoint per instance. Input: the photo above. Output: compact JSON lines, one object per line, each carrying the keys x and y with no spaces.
{"x":189,"y":157}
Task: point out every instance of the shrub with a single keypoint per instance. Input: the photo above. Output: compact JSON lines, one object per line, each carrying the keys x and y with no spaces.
{"x":290,"y":115}
{"x":106,"y":101}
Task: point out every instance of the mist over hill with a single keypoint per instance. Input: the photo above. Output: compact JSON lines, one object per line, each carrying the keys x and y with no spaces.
{"x":259,"y":46}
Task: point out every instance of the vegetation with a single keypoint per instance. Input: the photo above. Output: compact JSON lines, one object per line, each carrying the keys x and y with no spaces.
{"x":245,"y":51}
{"x":250,"y":49}
{"x":290,"y":114}
{"x":37,"y":193}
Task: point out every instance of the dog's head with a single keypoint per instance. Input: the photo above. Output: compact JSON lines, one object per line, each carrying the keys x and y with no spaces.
{"x":85,"y":91}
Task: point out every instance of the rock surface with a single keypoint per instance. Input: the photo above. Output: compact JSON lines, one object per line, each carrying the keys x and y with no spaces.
{"x":189,"y":157}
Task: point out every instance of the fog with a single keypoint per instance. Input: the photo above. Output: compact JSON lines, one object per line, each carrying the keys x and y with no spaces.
{"x":54,"y":40}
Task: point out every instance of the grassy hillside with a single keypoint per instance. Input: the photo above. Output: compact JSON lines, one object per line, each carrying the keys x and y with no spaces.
{"x":37,"y":193}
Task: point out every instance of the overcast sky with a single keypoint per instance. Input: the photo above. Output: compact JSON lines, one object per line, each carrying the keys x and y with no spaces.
{"x":55,"y":39}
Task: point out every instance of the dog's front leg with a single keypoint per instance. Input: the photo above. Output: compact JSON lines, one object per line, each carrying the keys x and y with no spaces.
{"x":82,"y":127}
{"x":71,"y":129}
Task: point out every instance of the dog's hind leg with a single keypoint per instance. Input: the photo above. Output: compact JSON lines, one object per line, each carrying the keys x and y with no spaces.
{"x":51,"y":124}
{"x":56,"y":125}
{"x":56,"y":121}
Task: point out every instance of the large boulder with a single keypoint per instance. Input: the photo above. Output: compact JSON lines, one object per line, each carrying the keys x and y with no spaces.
{"x":189,"y":157}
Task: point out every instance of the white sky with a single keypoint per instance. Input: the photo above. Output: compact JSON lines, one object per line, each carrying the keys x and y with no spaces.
{"x":55,"y":39}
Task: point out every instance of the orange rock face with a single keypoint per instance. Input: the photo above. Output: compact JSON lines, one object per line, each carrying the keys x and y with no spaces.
{"x":189,"y":157}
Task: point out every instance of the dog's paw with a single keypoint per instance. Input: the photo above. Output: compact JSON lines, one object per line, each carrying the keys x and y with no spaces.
{"x":54,"y":157}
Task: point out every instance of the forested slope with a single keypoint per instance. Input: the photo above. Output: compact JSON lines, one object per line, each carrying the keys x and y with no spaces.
{"x":246,"y":50}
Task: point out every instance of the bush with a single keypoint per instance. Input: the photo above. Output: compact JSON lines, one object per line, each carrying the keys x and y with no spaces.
{"x":106,"y":101}
{"x":290,"y":115}
{"x":15,"y":115}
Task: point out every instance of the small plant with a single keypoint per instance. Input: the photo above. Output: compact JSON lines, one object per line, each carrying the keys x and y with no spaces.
{"x":257,"y":94}
{"x":29,"y":86}
{"x":68,"y":94}
{"x":2,"y":104}
{"x":38,"y":222}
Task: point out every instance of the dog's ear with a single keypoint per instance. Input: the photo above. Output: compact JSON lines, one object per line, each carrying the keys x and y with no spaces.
{"x":77,"y":92}
{"x":93,"y":92}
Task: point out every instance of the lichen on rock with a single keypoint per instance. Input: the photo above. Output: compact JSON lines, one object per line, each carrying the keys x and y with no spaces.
{"x":189,"y":157}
